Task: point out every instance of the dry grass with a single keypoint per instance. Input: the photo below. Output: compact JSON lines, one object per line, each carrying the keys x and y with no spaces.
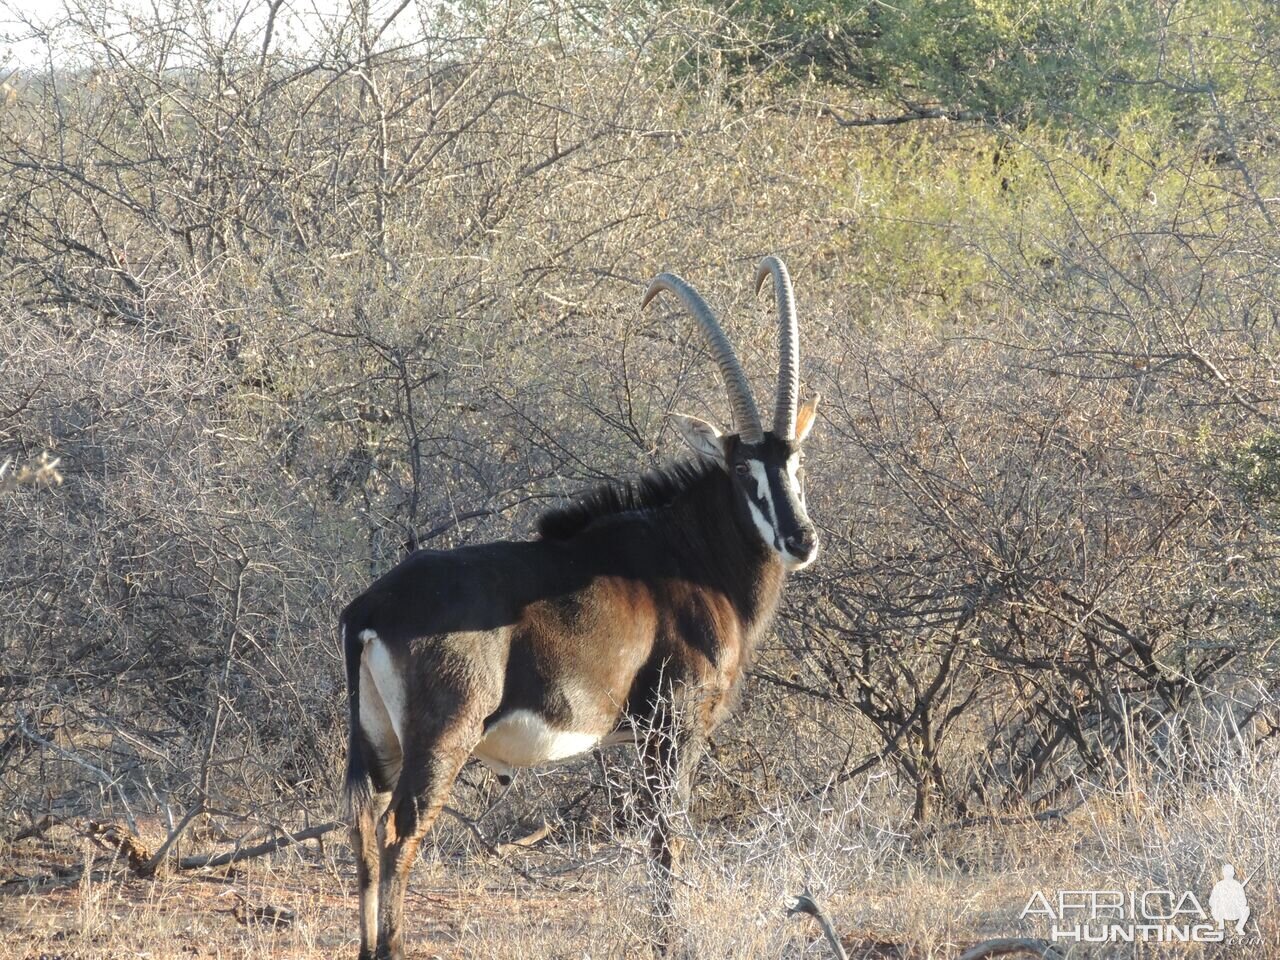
{"x":893,"y":891}
{"x":374,"y":301}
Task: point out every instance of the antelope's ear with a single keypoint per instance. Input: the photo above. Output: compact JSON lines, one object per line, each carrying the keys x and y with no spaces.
{"x":702,"y":437}
{"x":806,"y":417}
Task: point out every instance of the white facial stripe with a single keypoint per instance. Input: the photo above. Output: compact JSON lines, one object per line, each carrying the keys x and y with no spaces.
{"x":762,"y":482}
{"x":763,"y":524}
{"x":793,"y":470}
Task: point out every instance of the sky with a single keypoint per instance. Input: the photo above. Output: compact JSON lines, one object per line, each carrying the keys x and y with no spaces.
{"x":20,"y":18}
{"x":19,"y":47}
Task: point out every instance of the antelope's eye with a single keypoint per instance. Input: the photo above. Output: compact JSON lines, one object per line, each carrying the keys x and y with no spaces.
{"x":742,"y":469}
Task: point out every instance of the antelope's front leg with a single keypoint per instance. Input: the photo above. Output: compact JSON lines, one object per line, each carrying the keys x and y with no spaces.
{"x":670,"y":762}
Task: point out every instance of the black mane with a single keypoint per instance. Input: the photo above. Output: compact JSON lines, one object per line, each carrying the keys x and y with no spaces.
{"x":657,"y":488}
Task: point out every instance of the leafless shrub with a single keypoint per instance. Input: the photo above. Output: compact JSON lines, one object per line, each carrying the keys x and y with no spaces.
{"x":279,"y":309}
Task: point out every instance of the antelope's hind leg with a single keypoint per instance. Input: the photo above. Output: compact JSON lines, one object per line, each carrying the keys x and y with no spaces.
{"x":431,"y":764}
{"x":375,"y":771}
{"x":366,"y":844}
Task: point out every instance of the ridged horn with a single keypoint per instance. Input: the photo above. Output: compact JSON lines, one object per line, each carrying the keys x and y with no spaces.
{"x":784,"y":415}
{"x":745,"y":416}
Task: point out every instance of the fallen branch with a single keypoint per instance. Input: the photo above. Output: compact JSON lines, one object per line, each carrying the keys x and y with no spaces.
{"x":261,"y":849}
{"x":471,"y":825}
{"x":502,"y":849}
{"x":806,"y":904}
{"x":60,"y":878}
{"x":1058,"y":813}
{"x":1010,"y":946}
{"x":266,"y":914}
{"x":158,"y":857}
{"x":496,"y":852}
{"x":118,"y":840}
{"x":36,"y":829}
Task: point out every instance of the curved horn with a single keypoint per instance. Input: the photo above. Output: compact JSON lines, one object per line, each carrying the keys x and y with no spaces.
{"x":745,"y":415}
{"x":784,"y":416}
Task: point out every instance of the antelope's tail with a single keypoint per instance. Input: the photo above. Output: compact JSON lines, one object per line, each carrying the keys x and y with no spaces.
{"x":359,"y":781}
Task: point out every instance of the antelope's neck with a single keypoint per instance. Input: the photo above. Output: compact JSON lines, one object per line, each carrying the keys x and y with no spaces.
{"x":728,"y":554}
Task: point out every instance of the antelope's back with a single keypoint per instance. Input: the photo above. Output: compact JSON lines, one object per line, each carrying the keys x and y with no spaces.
{"x":470,"y":589}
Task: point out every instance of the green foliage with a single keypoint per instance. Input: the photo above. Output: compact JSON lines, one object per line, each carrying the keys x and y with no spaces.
{"x":1253,"y":468}
{"x":939,"y":216}
{"x":1083,"y":62}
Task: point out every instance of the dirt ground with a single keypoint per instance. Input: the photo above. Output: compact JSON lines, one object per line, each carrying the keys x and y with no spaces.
{"x":65,"y":894}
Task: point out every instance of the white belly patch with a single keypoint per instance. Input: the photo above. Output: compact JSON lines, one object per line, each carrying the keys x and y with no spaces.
{"x":523,"y":739}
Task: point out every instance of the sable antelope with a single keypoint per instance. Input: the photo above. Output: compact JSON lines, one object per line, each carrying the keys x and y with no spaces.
{"x":636,"y":609}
